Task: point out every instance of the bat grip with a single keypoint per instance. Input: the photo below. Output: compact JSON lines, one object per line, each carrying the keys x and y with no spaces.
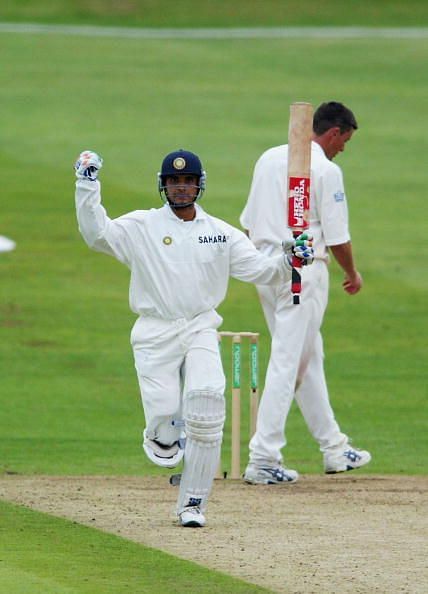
{"x":296,"y":285}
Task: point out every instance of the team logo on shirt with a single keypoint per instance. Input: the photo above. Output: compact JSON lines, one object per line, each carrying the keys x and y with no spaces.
{"x":167,"y":240}
{"x":339,"y":196}
{"x":212,"y":239}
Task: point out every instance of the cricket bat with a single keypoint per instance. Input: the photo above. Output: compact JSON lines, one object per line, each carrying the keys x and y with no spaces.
{"x":298,"y":180}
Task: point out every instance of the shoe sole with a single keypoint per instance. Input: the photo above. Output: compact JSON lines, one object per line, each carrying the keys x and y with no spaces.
{"x":347,"y":469}
{"x":268,"y":482}
{"x":339,"y":471}
{"x":193,"y":524}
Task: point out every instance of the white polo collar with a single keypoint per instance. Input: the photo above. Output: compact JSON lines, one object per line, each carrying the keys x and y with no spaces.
{"x":318,"y":147}
{"x":200,"y":213}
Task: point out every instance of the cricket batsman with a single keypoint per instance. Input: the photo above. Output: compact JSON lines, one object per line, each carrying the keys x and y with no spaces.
{"x":180,"y":260}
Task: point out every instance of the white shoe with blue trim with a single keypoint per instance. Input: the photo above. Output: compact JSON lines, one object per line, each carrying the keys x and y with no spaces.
{"x":347,"y":458}
{"x":192,"y":517}
{"x":269,"y":475}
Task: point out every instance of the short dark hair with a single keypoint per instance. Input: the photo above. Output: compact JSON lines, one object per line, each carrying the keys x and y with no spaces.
{"x":332,"y":114}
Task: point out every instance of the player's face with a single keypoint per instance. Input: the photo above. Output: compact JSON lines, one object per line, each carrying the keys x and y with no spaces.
{"x":337,"y":142}
{"x":182,"y":188}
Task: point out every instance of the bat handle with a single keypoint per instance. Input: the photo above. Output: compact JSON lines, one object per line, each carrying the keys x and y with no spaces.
{"x":296,"y":279}
{"x":296,"y":285}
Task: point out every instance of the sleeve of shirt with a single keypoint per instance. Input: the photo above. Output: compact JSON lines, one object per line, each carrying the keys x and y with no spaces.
{"x":264,"y":213}
{"x":334,"y":208}
{"x":249,"y":265}
{"x":100,"y":233}
{"x":247,"y":214}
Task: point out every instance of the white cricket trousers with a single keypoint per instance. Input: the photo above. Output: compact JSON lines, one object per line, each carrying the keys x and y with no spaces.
{"x":173,"y":358}
{"x":296,"y":368}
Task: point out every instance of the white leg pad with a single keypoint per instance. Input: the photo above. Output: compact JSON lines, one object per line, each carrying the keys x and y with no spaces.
{"x":204,"y":415}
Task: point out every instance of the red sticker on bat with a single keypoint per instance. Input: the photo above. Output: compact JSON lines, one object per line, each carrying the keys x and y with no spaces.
{"x":298,"y":202}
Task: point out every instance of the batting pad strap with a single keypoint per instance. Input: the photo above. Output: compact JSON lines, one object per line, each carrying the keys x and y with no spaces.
{"x":204,"y":416}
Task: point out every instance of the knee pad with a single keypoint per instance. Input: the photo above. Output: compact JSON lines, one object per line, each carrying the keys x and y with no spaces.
{"x":204,"y":415}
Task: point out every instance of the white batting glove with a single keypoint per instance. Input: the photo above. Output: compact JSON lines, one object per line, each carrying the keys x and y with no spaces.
{"x":301,"y":247}
{"x":87,"y":165}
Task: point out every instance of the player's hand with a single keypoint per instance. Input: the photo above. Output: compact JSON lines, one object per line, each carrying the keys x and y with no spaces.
{"x":301,"y":247}
{"x":87,"y":165}
{"x":352,"y":284}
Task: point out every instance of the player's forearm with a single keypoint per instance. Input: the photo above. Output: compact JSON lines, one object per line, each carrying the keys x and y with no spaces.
{"x":249,"y":264}
{"x":262,"y":270}
{"x":353,"y":280}
{"x":91,"y":215}
{"x":344,"y":257}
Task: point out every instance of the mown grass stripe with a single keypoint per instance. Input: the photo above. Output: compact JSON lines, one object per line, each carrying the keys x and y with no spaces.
{"x":221,"y":33}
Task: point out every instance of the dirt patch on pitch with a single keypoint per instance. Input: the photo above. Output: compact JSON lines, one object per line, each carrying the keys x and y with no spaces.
{"x":324,"y":535}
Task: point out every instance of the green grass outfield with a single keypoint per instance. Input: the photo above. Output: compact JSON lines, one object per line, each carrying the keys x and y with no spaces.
{"x":219,"y":13}
{"x":45,"y":555}
{"x":69,"y":396}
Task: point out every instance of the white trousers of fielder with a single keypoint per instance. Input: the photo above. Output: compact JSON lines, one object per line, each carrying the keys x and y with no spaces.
{"x":296,"y":368}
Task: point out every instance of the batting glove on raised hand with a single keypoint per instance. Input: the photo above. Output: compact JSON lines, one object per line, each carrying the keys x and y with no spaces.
{"x":301,"y":247}
{"x":87,"y":165}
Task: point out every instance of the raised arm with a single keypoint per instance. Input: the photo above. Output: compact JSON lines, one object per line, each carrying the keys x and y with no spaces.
{"x":97,"y":229}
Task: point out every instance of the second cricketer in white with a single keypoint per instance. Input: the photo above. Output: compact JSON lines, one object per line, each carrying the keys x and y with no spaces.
{"x":296,"y":365}
{"x":180,"y":259}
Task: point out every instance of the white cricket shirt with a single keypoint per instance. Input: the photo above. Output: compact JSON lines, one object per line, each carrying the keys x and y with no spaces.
{"x":178,"y":269}
{"x":265,"y":214}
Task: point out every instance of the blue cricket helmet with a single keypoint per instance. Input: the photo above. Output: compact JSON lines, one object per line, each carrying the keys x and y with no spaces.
{"x":181,"y":162}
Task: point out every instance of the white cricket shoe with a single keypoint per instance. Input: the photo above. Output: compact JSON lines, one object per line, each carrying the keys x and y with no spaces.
{"x":269,"y":475}
{"x":168,"y":456}
{"x":192,"y":517}
{"x":347,"y":458}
